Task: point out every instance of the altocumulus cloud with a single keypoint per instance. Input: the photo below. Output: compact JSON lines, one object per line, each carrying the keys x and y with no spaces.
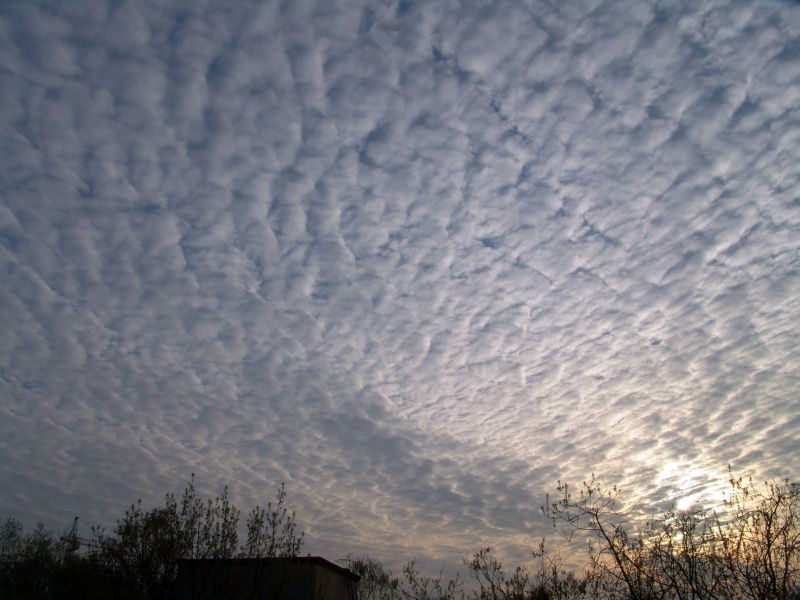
{"x":416,"y":259}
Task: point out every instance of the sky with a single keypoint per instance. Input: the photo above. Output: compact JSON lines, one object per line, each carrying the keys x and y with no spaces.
{"x":417,"y":260}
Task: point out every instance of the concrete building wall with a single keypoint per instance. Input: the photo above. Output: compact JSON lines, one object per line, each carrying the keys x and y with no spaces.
{"x":307,"y":578}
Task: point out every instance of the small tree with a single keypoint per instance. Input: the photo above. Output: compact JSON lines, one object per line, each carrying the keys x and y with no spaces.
{"x":148,"y":544}
{"x":750,"y":550}
{"x":376,"y":582}
{"x":420,"y":587}
{"x":28,"y":563}
{"x":544,"y":579}
{"x":760,"y":539}
{"x":615,"y":569}
{"x":551,"y":580}
{"x":493,"y":583}
{"x":11,"y":542}
{"x":272,"y":531}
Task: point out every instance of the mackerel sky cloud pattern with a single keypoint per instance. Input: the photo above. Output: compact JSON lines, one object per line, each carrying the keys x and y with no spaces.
{"x":418,"y":260}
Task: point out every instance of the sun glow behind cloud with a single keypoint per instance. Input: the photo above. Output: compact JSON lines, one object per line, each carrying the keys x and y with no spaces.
{"x":418,"y":260}
{"x":689,"y":485}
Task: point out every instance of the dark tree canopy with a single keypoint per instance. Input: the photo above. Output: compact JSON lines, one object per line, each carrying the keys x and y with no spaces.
{"x":748,"y":550}
{"x":140,"y":559}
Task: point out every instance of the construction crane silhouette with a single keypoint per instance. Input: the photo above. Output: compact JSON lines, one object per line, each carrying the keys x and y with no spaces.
{"x":72,"y":542}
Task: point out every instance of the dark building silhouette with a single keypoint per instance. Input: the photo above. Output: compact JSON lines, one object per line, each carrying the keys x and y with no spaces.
{"x":302,"y":578}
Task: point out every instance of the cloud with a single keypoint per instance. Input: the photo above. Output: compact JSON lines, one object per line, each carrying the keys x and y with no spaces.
{"x":417,"y":260}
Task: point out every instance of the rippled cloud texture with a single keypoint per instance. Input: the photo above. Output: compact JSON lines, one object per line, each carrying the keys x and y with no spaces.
{"x":418,"y":260}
